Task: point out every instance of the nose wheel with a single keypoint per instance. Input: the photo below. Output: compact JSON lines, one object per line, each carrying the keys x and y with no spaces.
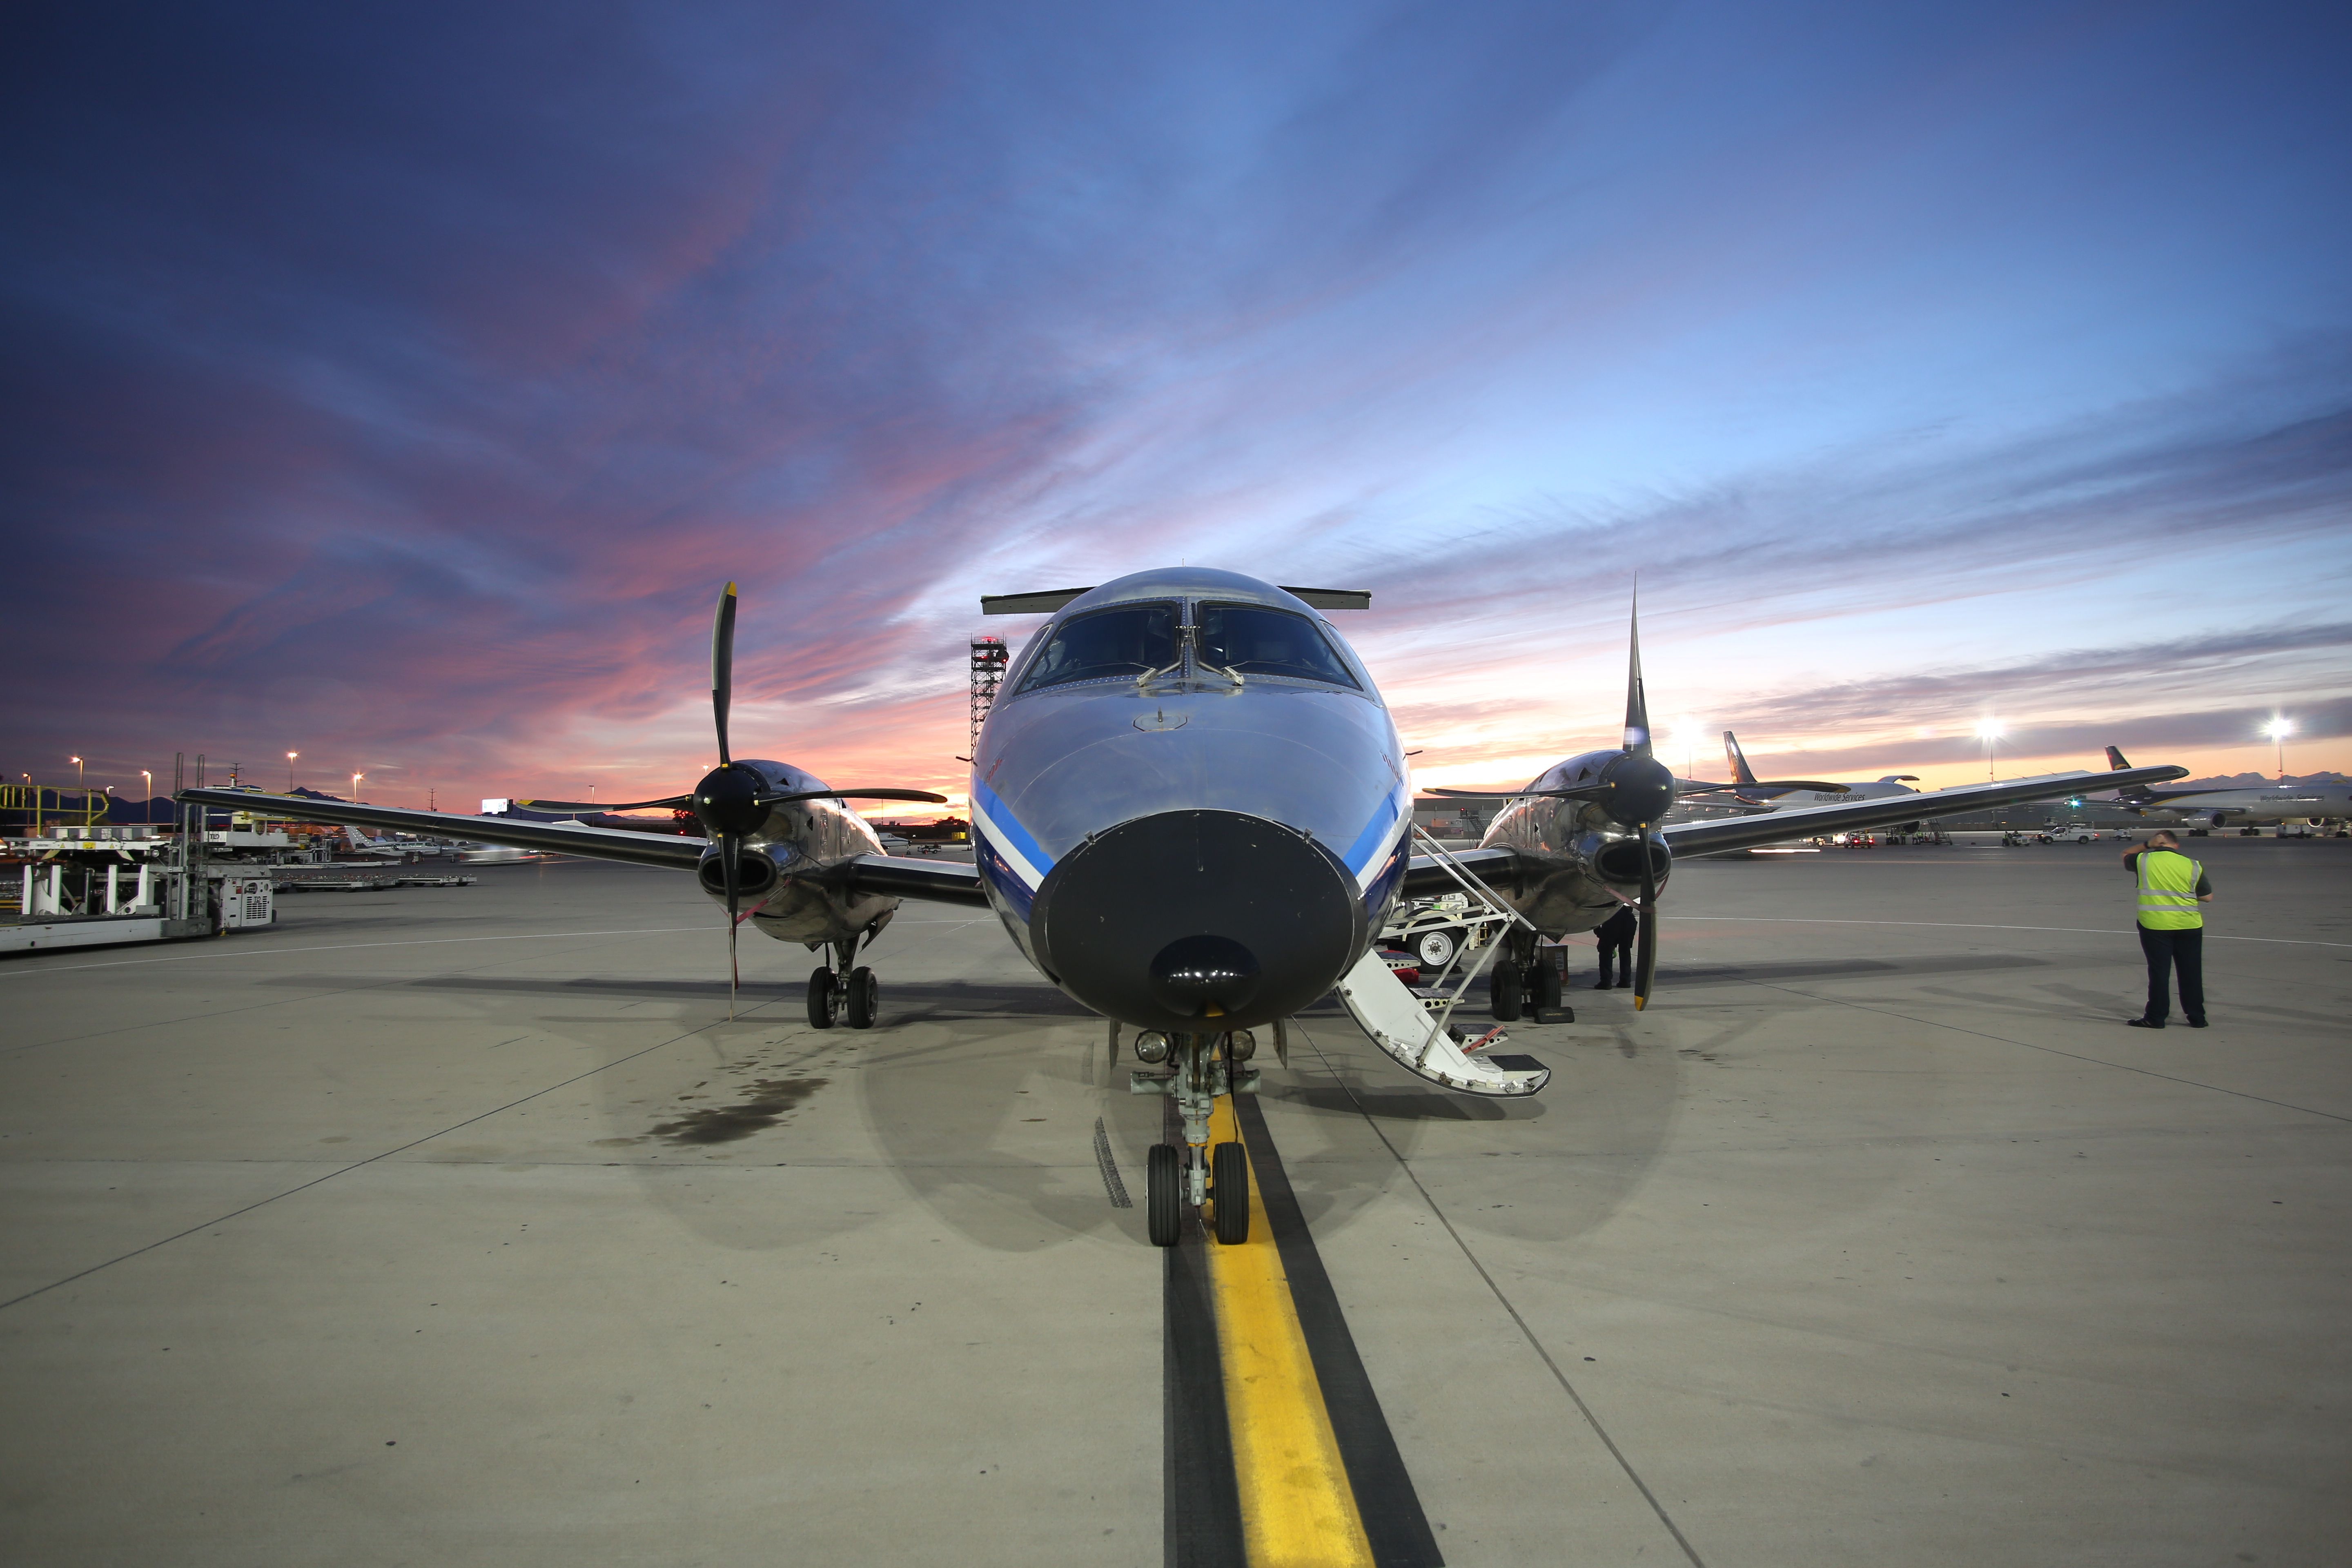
{"x":837,"y":993}
{"x":1198,"y":1174}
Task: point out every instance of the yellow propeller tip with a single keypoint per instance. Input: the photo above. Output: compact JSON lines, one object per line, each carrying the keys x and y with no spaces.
{"x":730,"y":591}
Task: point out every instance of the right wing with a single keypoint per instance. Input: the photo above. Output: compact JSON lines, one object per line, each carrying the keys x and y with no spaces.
{"x":904,"y":877}
{"x":566,"y":838}
{"x":1805,"y":822}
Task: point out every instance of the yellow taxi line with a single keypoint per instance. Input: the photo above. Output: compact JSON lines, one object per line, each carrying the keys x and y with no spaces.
{"x":1298,"y":1508}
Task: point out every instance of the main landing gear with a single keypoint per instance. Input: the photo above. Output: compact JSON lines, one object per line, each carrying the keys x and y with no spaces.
{"x":1206,"y":1066}
{"x":836,"y":991}
{"x":1528,"y":979}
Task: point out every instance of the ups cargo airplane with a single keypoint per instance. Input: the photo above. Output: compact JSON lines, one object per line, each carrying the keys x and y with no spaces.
{"x":2261,"y":807}
{"x":1191,"y":813}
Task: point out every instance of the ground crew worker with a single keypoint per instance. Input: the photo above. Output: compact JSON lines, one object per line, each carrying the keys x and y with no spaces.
{"x":1616,"y":936}
{"x":2172,"y":931}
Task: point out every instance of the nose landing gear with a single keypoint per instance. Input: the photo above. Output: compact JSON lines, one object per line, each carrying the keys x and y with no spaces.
{"x":836,"y":991}
{"x":1206,"y":1068}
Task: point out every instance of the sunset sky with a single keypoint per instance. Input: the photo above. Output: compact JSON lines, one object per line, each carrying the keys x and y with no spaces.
{"x":398,"y":384}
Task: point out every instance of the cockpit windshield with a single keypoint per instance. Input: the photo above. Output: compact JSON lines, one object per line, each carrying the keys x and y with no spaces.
{"x":1254,"y":640}
{"x":1124,"y":640}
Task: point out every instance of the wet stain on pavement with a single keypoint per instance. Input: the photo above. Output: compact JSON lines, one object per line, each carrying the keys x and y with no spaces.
{"x":765,"y":1104}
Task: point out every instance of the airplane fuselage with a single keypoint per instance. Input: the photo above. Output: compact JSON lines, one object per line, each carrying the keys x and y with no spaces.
{"x":1583,"y":865}
{"x":789,"y":864}
{"x":2255,"y":807}
{"x":1188,"y":804}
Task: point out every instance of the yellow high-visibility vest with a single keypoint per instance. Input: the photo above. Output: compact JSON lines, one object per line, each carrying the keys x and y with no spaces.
{"x":2168,"y":890}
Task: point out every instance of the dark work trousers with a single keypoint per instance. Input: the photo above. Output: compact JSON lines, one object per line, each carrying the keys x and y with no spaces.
{"x":2168,"y":951}
{"x":1616,"y":935}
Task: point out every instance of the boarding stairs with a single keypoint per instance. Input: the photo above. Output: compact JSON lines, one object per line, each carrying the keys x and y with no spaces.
{"x":1410,"y":1022}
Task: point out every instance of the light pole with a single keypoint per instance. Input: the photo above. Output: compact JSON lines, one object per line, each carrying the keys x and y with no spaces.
{"x":290,"y":771}
{"x":355,"y":787}
{"x":147,"y":794}
{"x":2278,"y":730}
{"x":1989,"y":731}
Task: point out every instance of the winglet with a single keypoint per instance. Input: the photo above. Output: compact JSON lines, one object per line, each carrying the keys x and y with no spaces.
{"x":1637,"y":705}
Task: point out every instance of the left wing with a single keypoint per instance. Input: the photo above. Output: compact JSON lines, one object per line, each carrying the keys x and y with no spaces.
{"x":566,"y":838}
{"x":1806,"y":822}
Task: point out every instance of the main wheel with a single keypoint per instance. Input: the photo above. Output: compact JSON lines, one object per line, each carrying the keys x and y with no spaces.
{"x":1503,"y":994}
{"x":1163,"y":1195}
{"x":820,"y":998}
{"x":1435,"y":948}
{"x":865,"y":996}
{"x":1229,"y":1185}
{"x":1546,"y":986}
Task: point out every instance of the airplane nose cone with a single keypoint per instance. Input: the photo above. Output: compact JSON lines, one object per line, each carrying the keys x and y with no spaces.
{"x":1198,"y":921}
{"x":1204,"y":977}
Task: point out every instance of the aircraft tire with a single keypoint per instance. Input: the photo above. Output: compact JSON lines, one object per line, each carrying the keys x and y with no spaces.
{"x":1546,"y":988}
{"x":820,"y":998}
{"x":1503,"y":994}
{"x":1163,"y":1195}
{"x":1229,"y":1187}
{"x":865,"y":998}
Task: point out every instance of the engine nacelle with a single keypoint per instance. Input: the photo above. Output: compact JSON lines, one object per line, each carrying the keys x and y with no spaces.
{"x":755,"y":875}
{"x":1617,"y":859}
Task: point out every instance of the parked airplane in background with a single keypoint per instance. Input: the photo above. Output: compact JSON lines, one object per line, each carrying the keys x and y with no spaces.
{"x":2257,"y":806}
{"x":1191,"y":811}
{"x":1780,"y":795}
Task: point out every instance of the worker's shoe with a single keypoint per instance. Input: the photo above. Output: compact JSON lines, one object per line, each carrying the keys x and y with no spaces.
{"x":1601,"y":985}
{"x":2145,"y":1023}
{"x":2196,"y":1023}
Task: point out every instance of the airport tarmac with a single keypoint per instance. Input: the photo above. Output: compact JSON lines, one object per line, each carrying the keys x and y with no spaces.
{"x":460,"y":1226}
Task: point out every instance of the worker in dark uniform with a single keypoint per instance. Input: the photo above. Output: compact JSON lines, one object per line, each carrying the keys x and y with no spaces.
{"x":1616,"y":935}
{"x":2171,"y":927}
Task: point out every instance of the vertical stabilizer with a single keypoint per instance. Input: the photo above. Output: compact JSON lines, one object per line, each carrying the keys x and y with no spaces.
{"x":1637,"y":705}
{"x":2116,"y":760}
{"x":1741,"y":771}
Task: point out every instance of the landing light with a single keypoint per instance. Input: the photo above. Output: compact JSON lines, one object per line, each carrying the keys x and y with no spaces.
{"x":1240,"y":1045}
{"x":1151,"y":1045}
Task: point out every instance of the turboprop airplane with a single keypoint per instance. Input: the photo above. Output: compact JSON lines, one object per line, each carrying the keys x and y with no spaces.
{"x":1191,"y":813}
{"x":2251,"y":807}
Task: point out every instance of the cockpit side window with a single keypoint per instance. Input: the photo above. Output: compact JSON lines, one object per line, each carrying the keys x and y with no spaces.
{"x":1256,"y":639}
{"x":1125,"y":640}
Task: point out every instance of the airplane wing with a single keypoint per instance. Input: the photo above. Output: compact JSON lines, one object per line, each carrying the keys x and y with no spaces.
{"x":1807,"y":822}
{"x":565,"y":838}
{"x":903,"y":877}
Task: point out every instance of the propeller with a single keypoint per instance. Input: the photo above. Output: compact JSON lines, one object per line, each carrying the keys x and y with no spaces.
{"x":1649,"y":801}
{"x":733,"y":799}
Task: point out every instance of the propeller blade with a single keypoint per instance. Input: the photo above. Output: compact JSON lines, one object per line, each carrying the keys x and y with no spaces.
{"x":730,"y":848}
{"x":921,"y":794}
{"x":722,"y":665}
{"x":583,"y":808}
{"x":1637,"y":705}
{"x":1645,"y":940}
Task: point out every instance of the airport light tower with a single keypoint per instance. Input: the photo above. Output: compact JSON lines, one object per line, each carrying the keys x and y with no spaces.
{"x":2278,"y":730}
{"x":1989,"y":731}
{"x":989,"y":657}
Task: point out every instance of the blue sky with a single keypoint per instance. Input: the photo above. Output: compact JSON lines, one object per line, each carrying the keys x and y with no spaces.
{"x":398,"y":386}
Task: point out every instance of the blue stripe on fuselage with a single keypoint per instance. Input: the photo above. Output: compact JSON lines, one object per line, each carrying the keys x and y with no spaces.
{"x":1001,"y":818}
{"x":1369,"y":843}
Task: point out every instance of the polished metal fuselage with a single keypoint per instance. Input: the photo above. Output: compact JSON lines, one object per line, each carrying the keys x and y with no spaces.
{"x":808,"y":841}
{"x":1056,"y":768}
{"x":1577,"y":867}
